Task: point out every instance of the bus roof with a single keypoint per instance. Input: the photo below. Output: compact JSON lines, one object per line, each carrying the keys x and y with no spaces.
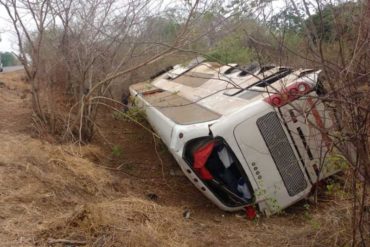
{"x":207,"y":91}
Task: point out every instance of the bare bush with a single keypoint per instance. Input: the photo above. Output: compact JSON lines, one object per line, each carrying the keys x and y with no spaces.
{"x":73,"y":51}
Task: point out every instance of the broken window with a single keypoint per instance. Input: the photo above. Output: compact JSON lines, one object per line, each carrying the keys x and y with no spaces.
{"x":217,"y":166}
{"x":273,"y":78}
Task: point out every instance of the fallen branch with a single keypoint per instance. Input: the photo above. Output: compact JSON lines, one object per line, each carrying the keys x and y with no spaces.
{"x":66,"y":241}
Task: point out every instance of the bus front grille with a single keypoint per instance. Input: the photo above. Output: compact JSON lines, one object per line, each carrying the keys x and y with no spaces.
{"x":282,"y":153}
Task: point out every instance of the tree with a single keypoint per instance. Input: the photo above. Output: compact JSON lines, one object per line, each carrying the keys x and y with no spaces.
{"x":286,"y":20}
{"x":332,"y":22}
{"x":8,"y":59}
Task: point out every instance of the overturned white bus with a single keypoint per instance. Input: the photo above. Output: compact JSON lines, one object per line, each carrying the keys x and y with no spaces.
{"x":243,"y":136}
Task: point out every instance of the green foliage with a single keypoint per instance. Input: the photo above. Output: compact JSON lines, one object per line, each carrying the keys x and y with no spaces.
{"x":273,"y":204}
{"x":231,"y":50}
{"x":333,"y":21}
{"x":315,"y":224}
{"x":306,"y":213}
{"x":331,"y":188}
{"x":208,"y":16}
{"x":334,"y":188}
{"x":161,"y":147}
{"x":336,"y":162}
{"x":287,"y":20}
{"x":134,"y":113}
{"x":8,"y":59}
{"x":117,"y":151}
{"x":162,"y":29}
{"x":326,"y":24}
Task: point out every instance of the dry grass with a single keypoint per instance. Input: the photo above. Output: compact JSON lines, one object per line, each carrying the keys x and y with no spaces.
{"x":15,"y":81}
{"x":129,"y":221}
{"x":40,"y":182}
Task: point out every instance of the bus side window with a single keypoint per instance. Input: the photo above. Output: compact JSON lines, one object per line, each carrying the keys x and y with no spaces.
{"x":320,"y":90}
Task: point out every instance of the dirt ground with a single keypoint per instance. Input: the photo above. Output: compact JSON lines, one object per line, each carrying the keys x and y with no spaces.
{"x":120,"y":191}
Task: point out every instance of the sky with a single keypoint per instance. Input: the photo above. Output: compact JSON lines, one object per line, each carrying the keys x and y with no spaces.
{"x":8,"y":41}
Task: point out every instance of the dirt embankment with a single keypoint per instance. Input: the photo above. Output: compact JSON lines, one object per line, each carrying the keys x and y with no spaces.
{"x":117,"y":192}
